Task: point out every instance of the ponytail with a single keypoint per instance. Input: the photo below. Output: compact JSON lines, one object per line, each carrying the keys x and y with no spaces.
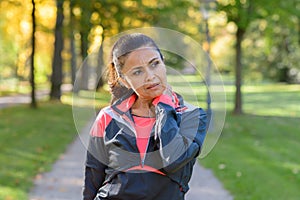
{"x":117,"y":89}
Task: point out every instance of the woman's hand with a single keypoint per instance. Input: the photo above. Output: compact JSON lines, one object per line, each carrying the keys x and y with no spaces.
{"x":168,"y":90}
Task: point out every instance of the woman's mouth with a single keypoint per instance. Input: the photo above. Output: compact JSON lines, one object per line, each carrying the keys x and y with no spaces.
{"x":152,"y":86}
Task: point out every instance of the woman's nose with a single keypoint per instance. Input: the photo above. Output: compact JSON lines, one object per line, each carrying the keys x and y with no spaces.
{"x":149,"y":75}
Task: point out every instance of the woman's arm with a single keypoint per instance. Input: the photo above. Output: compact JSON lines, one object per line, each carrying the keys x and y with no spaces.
{"x":94,"y":177}
{"x":96,"y":158}
{"x":180,"y":135}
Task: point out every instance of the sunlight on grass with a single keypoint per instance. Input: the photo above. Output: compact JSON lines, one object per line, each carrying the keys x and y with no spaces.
{"x":261,"y":99}
{"x":88,"y":99}
{"x":258,"y":157}
{"x":268,"y":100}
{"x":14,"y":86}
{"x":31,"y":140}
{"x":10,"y":193}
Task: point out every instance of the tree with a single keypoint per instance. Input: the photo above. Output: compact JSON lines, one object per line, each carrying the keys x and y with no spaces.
{"x":32,"y":81}
{"x":241,"y":13}
{"x":56,"y":77}
{"x":272,"y":42}
{"x":284,"y":46}
{"x":72,"y":45}
{"x":80,"y":17}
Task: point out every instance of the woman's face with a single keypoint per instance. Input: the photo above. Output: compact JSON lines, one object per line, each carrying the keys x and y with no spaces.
{"x":145,"y":72}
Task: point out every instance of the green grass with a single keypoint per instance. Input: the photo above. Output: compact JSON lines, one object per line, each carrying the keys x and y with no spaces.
{"x":258,"y":157}
{"x":271,"y":99}
{"x":268,"y":99}
{"x":31,"y":140}
{"x":88,"y":99}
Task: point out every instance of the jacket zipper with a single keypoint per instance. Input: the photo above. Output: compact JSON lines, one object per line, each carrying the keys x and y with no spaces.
{"x":144,"y":157}
{"x":131,"y":122}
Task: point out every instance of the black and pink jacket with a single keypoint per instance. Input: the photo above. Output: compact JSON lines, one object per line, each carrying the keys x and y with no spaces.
{"x":114,"y":167}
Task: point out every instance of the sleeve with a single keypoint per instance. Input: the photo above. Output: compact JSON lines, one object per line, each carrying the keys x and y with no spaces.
{"x":180,"y":135}
{"x":94,"y":177}
{"x":96,"y":158}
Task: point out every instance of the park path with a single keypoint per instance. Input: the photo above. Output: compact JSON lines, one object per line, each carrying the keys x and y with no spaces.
{"x":12,"y":100}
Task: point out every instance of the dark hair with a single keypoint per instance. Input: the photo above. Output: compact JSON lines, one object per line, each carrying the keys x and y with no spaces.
{"x":120,"y":51}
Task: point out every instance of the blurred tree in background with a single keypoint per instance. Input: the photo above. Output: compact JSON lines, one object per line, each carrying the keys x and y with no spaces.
{"x":252,"y":37}
{"x":32,"y":56}
{"x":73,"y":29}
{"x":56,"y":76}
{"x":251,"y":19}
{"x":16,"y":32}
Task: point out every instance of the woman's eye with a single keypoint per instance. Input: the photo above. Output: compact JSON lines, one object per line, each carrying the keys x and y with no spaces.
{"x":155,"y":63}
{"x":137,"y":72}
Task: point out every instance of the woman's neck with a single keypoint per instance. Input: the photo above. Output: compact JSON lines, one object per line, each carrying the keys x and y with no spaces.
{"x":143,"y":107}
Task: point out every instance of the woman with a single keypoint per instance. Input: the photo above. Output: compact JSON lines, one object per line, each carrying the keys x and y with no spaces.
{"x":144,"y":145}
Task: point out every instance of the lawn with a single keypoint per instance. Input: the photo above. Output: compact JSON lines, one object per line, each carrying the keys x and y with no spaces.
{"x":31,"y":140}
{"x":257,"y":155}
{"x":268,"y":99}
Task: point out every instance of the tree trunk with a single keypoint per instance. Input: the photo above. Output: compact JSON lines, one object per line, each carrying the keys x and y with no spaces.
{"x":238,"y":72}
{"x":72,"y":46}
{"x":32,"y":81}
{"x":299,"y":31}
{"x":73,"y":58}
{"x":100,"y":63}
{"x":56,"y":78}
{"x":85,"y":67}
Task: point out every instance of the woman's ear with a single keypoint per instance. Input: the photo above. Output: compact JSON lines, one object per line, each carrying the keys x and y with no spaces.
{"x":124,"y":82}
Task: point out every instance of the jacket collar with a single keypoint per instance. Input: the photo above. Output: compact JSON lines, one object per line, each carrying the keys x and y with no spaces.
{"x":124,"y":104}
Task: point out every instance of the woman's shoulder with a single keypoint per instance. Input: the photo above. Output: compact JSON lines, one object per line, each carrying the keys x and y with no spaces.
{"x":104,"y":113}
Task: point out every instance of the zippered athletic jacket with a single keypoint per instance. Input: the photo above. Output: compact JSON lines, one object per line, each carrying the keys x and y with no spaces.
{"x":114,"y":166}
